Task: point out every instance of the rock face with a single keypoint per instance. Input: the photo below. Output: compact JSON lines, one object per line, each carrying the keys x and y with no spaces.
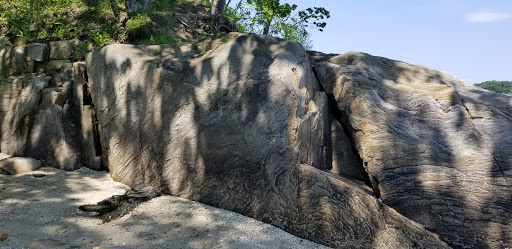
{"x":438,"y":151}
{"x":18,"y":165}
{"x":45,"y":115}
{"x":351,"y":151}
{"x":236,"y":122}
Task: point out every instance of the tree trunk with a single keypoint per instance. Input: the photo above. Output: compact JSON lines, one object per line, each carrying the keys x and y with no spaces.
{"x":217,"y":9}
{"x":115,"y":8}
{"x":266,"y":29}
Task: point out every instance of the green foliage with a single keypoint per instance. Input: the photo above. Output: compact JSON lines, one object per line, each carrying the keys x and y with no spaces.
{"x":43,"y":20}
{"x":293,"y":31}
{"x":100,"y":39}
{"x":158,"y":39}
{"x":268,"y":10}
{"x":497,"y":86}
{"x":317,"y":14}
{"x":164,"y":5}
{"x":272,"y":17}
{"x":207,"y":4}
{"x":138,"y":22}
{"x":82,"y":48}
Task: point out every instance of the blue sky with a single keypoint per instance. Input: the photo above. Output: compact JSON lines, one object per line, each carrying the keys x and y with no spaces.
{"x":469,"y":39}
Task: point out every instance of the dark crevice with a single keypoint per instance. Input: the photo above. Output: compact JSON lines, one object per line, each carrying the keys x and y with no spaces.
{"x":343,"y":120}
{"x":96,"y":135}
{"x":87,"y":101}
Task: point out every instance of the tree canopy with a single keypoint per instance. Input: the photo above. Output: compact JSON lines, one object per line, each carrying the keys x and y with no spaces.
{"x":497,"y":86}
{"x":278,"y":19}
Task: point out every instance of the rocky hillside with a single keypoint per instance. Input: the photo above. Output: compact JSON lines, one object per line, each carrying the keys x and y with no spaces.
{"x":350,"y":151}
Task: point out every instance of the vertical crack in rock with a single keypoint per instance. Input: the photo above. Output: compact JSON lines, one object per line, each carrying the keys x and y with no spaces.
{"x":487,"y":146}
{"x":87,"y":100}
{"x":91,"y":148}
{"x":342,"y":119}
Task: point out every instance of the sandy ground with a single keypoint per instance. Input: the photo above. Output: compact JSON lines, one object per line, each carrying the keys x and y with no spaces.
{"x":43,"y":213}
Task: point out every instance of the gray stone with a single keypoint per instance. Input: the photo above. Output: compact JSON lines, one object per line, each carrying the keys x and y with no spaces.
{"x":55,"y":66}
{"x":37,"y":52}
{"x":233,"y":128}
{"x":436,"y":150}
{"x":17,"y":63}
{"x":19,"y":165}
{"x":345,"y":161}
{"x":20,"y":100}
{"x":4,"y":156}
{"x":38,"y":122}
{"x":61,"y":50}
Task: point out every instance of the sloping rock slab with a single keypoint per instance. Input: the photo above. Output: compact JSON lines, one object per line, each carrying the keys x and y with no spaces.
{"x":237,"y":128}
{"x":435,"y":148}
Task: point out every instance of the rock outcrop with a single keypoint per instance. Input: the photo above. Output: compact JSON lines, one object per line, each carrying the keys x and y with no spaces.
{"x":239,"y":122}
{"x":437,"y":150}
{"x":350,"y":151}
{"x":43,"y":112}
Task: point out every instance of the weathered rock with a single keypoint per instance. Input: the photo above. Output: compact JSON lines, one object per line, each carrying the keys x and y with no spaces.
{"x":235,"y":128}
{"x":55,"y":66}
{"x":20,"y":99}
{"x":38,"y":121}
{"x":19,"y":165}
{"x":17,"y":63}
{"x":345,"y":160}
{"x":61,"y":50}
{"x":437,"y":150}
{"x":37,"y":52}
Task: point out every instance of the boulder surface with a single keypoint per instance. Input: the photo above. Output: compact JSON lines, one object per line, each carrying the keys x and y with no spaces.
{"x":241,"y":123}
{"x":435,"y":149}
{"x":18,"y":165}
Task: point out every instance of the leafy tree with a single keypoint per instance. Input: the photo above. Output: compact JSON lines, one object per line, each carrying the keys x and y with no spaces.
{"x":271,"y":17}
{"x":497,"y":86}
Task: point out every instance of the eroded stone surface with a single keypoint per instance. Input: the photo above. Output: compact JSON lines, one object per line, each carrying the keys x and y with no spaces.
{"x":37,"y":52}
{"x":61,"y":50}
{"x":437,"y":149}
{"x":236,"y":127}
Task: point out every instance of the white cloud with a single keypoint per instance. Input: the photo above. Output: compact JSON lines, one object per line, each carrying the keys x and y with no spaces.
{"x":487,"y":16}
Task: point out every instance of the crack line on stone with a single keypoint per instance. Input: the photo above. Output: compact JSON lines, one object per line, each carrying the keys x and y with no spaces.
{"x":487,"y":147}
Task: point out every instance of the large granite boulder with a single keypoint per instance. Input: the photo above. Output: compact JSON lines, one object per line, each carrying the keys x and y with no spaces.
{"x":241,"y":123}
{"x":435,"y":149}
